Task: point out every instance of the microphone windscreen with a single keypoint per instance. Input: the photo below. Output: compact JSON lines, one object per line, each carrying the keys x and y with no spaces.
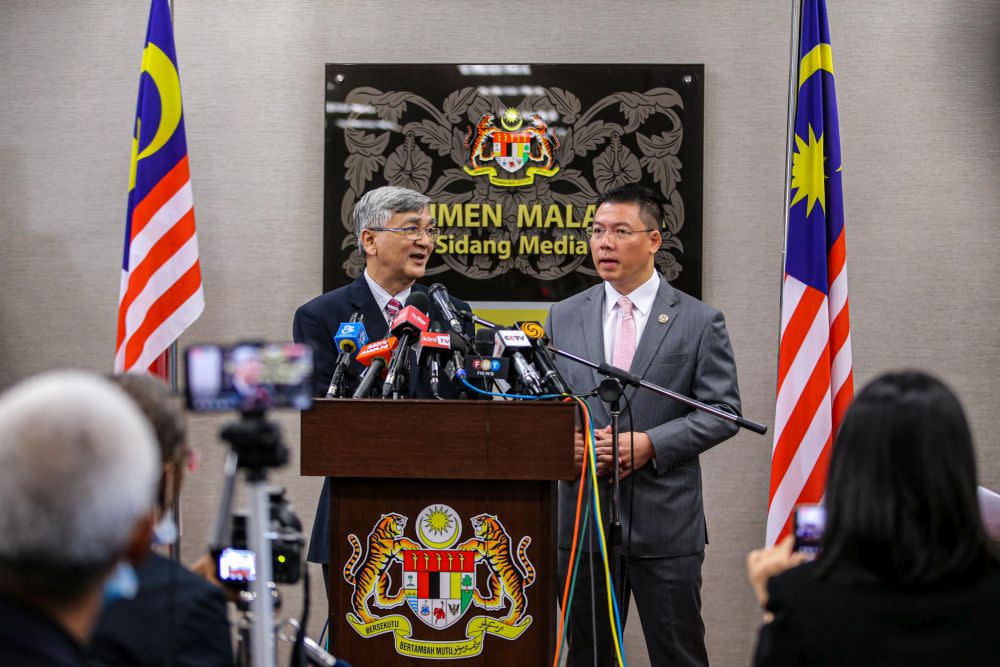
{"x":458,"y":343}
{"x":381,"y":349}
{"x":484,"y":342}
{"x":419,"y":300}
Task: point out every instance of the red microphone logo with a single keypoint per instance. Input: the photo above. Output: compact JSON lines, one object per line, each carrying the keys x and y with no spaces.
{"x":411,"y":316}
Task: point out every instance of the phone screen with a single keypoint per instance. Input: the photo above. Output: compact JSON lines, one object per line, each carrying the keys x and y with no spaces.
{"x":237,"y":565}
{"x":810,"y":522}
{"x":249,"y":377}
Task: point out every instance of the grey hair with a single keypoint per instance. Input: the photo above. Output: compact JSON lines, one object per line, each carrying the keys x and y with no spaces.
{"x":78,"y":469}
{"x":376,"y":207}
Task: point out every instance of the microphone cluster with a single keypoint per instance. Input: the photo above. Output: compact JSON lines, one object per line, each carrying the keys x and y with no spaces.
{"x":518,"y":354}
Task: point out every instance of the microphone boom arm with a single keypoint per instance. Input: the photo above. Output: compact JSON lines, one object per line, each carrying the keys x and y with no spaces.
{"x":628,"y":378}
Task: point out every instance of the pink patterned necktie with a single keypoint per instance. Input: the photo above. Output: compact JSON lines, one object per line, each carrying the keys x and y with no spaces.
{"x":393,"y":308}
{"x":625,"y":340}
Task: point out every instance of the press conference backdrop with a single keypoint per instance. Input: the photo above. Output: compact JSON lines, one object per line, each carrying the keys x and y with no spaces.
{"x":918,"y":91}
{"x":513,"y":156}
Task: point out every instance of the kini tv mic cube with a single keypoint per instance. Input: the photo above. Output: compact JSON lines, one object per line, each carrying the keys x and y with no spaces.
{"x":431,"y":342}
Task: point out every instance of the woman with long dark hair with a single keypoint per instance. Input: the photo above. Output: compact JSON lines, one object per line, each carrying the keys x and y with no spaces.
{"x":907,"y":574}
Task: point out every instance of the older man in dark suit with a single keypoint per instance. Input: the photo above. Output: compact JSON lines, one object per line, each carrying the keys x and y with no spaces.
{"x":637,"y":321}
{"x":396,"y":232}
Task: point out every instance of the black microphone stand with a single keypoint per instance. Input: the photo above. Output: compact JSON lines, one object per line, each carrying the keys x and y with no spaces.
{"x":610,"y":390}
{"x":636,"y":381}
{"x":475,"y":319}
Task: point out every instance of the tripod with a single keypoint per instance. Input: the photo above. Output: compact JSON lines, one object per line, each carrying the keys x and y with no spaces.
{"x":255,"y":446}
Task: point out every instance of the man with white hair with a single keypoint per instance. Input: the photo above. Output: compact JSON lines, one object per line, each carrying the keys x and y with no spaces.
{"x":78,"y":480}
{"x":396,"y":234}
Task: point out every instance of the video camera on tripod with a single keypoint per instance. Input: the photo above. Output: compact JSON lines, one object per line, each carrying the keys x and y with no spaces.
{"x":236,"y":563}
{"x":257,"y":550}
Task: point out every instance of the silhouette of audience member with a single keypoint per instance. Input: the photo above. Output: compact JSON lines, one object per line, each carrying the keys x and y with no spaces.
{"x":906,"y":575}
{"x":177,"y":618}
{"x":78,"y":475}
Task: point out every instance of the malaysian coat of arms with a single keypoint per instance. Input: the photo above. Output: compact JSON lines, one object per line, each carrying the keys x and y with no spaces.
{"x":436,"y":580}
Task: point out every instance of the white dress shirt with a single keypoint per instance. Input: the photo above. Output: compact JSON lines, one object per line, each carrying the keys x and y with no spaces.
{"x":642,"y":299}
{"x":382,"y":297}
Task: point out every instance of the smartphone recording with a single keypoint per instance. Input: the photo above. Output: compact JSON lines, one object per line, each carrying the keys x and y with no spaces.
{"x":810,"y":523}
{"x":249,"y":377}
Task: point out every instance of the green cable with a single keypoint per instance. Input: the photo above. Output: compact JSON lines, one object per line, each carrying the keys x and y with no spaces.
{"x":572,"y":583}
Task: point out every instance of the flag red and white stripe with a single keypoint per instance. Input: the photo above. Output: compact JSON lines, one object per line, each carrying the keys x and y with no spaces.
{"x":161,"y":290}
{"x":815,"y":386}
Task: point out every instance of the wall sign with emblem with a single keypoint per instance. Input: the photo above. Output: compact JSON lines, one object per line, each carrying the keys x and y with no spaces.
{"x":513,"y":157}
{"x":440,"y":579}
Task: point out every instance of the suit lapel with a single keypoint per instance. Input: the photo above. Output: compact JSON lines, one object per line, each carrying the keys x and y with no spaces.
{"x":665,"y":303}
{"x":593,"y":328}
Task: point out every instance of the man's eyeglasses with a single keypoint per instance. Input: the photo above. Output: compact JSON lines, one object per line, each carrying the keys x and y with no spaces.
{"x":411,"y":233}
{"x":618,"y":233}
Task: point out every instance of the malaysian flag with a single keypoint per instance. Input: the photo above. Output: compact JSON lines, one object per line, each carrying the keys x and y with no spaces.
{"x":815,"y":378}
{"x":161,"y":293}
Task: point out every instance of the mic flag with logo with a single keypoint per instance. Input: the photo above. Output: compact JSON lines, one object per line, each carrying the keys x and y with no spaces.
{"x":815,"y":376}
{"x":161,"y":289}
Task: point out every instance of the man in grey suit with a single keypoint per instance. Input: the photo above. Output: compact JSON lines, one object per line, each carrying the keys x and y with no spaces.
{"x":636,"y":320}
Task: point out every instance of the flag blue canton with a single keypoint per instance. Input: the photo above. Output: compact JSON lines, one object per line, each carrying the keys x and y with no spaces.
{"x":814,"y":227}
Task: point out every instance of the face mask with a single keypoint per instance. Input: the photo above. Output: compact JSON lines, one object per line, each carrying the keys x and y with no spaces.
{"x":165,"y":530}
{"x":123,"y":584}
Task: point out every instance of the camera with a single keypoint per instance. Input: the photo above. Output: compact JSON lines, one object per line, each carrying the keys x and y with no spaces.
{"x":249,"y":377}
{"x":237,"y":565}
{"x":810,"y":523}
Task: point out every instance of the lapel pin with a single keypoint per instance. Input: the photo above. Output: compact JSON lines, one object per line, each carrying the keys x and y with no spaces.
{"x":664,"y":318}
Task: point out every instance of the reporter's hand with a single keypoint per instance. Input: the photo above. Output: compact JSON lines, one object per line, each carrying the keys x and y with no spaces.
{"x":762,"y":564}
{"x":204,"y":567}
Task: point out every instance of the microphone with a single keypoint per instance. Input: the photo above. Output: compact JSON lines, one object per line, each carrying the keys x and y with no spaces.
{"x":350,"y":336}
{"x":429,"y":347}
{"x":512,"y":343}
{"x":375,"y":356}
{"x":439,"y":294}
{"x":456,"y":365}
{"x":406,"y":326}
{"x":543,"y":358}
{"x":484,"y":342}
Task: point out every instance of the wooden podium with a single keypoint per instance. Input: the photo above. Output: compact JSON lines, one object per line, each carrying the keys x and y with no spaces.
{"x":442,"y":527}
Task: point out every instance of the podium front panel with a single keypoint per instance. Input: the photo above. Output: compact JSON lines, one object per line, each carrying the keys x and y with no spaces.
{"x":430,"y":570}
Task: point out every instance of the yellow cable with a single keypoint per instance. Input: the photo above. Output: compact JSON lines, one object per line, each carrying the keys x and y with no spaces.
{"x":592,"y":460}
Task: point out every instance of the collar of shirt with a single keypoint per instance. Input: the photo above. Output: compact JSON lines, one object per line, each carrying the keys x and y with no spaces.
{"x":382,"y":297}
{"x":642,"y":299}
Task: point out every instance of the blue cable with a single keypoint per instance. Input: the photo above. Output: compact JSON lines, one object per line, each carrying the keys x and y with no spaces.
{"x":500,"y":395}
{"x":593,"y":497}
{"x":604,"y":548}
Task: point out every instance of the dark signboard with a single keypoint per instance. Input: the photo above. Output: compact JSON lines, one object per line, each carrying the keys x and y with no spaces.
{"x":513,"y":157}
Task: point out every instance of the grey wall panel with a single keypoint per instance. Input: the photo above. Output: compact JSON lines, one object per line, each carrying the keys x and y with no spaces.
{"x":918,"y":89}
